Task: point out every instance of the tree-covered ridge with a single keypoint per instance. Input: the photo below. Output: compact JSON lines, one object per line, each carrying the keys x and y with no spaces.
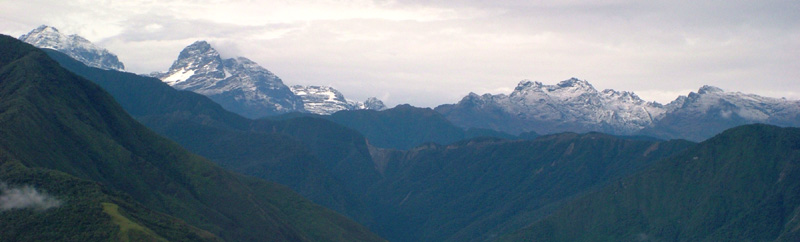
{"x":54,"y":120}
{"x":315,"y":157}
{"x":335,"y":166}
{"x":481,"y":188}
{"x":741,"y":185}
{"x":82,"y":202}
{"x":478,"y":189}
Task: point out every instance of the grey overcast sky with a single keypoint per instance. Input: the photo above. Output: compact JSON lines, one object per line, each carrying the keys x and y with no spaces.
{"x":427,"y":53}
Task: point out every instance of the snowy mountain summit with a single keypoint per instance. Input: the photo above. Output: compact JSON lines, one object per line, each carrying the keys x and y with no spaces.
{"x":571,"y":105}
{"x":713,"y":101}
{"x":325,"y":100}
{"x":576,"y":106}
{"x":238,"y":84}
{"x":711,"y":110}
{"x":74,"y":46}
{"x":372,"y":103}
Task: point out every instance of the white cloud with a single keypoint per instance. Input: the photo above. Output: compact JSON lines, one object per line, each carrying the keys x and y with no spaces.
{"x":23,"y":197}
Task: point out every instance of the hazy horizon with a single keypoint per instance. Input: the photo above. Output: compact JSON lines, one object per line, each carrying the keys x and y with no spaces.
{"x":426,"y":54}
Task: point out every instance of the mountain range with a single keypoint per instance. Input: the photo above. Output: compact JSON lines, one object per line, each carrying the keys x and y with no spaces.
{"x":710,"y":110}
{"x":239,"y":84}
{"x":406,"y":173}
{"x":317,"y":158}
{"x":338,"y":168}
{"x":244,"y":87}
{"x":741,"y":185}
{"x":575,"y":105}
{"x":571,"y":105}
{"x":67,"y":136}
{"x":393,"y":192}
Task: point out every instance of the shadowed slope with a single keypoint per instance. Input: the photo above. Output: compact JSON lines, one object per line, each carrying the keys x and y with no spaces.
{"x":741,"y":185}
{"x":55,"y":120}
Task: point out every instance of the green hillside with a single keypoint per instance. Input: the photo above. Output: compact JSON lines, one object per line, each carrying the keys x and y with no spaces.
{"x":404,"y":126}
{"x":478,"y":189}
{"x":53,"y":120}
{"x":82,"y":202}
{"x":741,"y":185}
{"x":472,"y":190}
{"x":312,"y":156}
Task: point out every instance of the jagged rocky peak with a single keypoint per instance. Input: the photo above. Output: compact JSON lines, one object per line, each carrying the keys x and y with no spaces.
{"x":573,"y":87}
{"x":326,"y":100}
{"x":575,"y":105}
{"x":566,"y":89}
{"x":197,"y":58}
{"x":624,"y":96}
{"x":238,"y":84}
{"x":569,"y":83}
{"x":198,"y":48}
{"x":322,"y":100}
{"x":527,"y":84}
{"x":575,"y":83}
{"x":702,"y":114}
{"x":677,"y":103}
{"x":373,"y":103}
{"x":199,"y":55}
{"x":46,"y":37}
{"x":750,"y":107}
{"x":709,"y":89}
{"x":571,"y":105}
{"x":74,"y":46}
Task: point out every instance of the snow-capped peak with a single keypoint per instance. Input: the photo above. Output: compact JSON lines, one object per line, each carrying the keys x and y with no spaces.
{"x":528,"y":84}
{"x":373,"y":103}
{"x":199,"y":48}
{"x":623,"y":96}
{"x":564,"y":90}
{"x":709,"y":89}
{"x":238,"y":84}
{"x":750,"y":107}
{"x":570,"y":105}
{"x":574,"y":105}
{"x":45,"y":37}
{"x":197,"y":58}
{"x":575,"y":83}
{"x":74,"y":46}
{"x":325,"y":100}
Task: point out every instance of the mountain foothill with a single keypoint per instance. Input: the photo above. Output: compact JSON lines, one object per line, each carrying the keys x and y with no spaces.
{"x":221,"y":149}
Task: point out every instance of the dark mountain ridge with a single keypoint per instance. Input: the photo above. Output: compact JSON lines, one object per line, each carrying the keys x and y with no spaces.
{"x":55,"y":121}
{"x":335,"y":165}
{"x":741,"y":185}
{"x":404,"y":126}
{"x":313,"y":156}
{"x":476,"y":189}
{"x":473,"y":189}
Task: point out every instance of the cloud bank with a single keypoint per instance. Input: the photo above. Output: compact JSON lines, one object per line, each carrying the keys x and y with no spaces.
{"x":24,"y":197}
